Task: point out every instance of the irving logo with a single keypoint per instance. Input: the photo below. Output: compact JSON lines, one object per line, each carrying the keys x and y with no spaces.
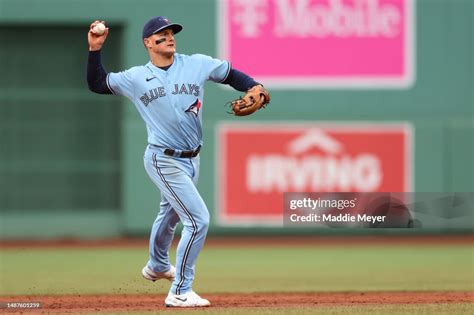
{"x":316,"y":158}
{"x":299,"y":169}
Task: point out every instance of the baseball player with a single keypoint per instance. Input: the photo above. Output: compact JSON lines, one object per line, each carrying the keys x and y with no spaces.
{"x":168,"y":94}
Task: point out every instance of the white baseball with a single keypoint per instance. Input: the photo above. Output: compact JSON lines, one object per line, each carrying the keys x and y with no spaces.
{"x":99,"y":29}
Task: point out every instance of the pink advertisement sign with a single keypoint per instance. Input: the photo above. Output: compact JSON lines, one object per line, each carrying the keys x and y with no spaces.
{"x":320,"y":43}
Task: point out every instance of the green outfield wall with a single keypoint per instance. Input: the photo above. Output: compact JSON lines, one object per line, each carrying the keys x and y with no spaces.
{"x":71,"y":161}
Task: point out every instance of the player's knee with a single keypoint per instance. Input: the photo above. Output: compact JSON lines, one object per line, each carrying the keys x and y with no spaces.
{"x":172,"y":227}
{"x":174,"y":220}
{"x":203,"y":222}
{"x":200,"y":223}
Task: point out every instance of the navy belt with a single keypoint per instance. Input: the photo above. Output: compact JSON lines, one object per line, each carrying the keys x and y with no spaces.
{"x":183,"y":154}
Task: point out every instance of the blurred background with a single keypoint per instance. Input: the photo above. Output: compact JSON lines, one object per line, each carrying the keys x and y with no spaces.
{"x":379,"y":89}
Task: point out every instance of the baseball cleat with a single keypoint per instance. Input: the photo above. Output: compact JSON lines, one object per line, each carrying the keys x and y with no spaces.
{"x":190,"y":299}
{"x":149,"y":274}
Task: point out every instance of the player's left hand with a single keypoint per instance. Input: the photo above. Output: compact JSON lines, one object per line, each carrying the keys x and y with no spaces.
{"x":255,"y":98}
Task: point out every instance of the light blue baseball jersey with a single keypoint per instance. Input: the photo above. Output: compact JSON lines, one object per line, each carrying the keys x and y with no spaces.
{"x":170,"y":102}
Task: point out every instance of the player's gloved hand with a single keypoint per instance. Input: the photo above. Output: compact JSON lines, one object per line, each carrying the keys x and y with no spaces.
{"x":96,"y":41}
{"x":255,"y":98}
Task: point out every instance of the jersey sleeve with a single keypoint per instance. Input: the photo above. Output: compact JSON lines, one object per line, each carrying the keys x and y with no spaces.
{"x":121,"y":83}
{"x":216,"y":70}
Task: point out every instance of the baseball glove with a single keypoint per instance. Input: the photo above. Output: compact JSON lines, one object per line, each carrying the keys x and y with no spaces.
{"x":255,"y":99}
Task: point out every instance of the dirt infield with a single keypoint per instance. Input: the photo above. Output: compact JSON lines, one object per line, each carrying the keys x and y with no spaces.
{"x":124,"y":303}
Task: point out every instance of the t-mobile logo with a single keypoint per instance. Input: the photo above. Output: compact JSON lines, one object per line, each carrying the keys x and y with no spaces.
{"x":251,"y":14}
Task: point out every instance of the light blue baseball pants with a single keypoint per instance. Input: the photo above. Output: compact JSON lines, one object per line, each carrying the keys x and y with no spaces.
{"x":176,"y":178}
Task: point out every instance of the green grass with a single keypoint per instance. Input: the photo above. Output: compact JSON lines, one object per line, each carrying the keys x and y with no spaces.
{"x":112,"y":270}
{"x":428,"y":309}
{"x":416,"y":309}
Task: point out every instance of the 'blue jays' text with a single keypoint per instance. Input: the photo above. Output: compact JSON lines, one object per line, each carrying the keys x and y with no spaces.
{"x":155,"y":93}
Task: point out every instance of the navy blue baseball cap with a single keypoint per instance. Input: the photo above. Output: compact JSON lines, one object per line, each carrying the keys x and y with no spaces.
{"x":159,"y":23}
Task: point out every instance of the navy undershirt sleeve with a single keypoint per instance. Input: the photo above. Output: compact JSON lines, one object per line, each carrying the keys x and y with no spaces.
{"x":96,"y":75}
{"x":239,"y":80}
